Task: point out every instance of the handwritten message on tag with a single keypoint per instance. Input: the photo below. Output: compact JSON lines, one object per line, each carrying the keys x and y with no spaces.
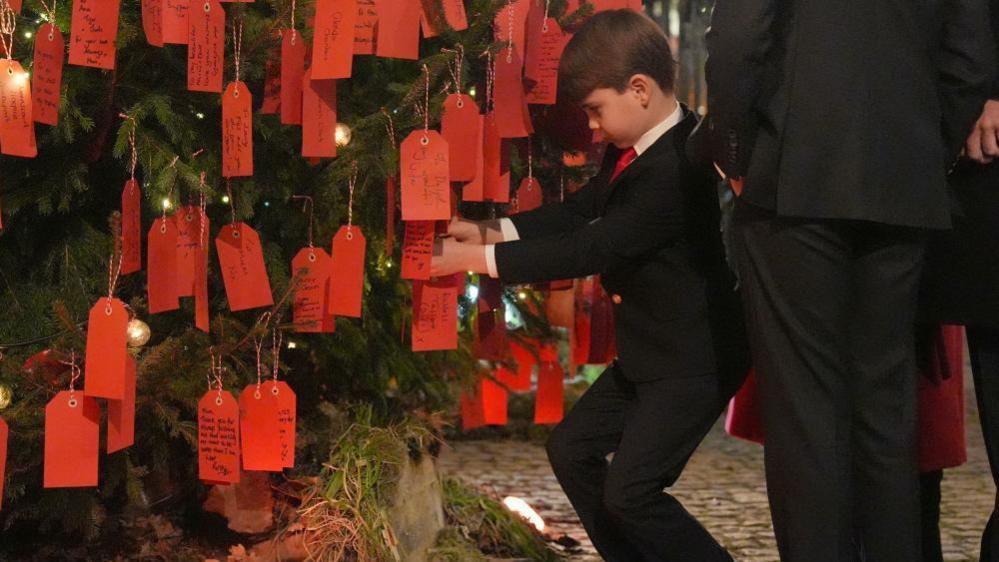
{"x":175,"y":25}
{"x":552,"y":42}
{"x":17,"y":127}
{"x":319,"y":117}
{"x":426,"y":187}
{"x":311,"y":266}
{"x":287,"y":414}
{"x":241,"y":259}
{"x":188,"y":221}
{"x":435,"y":316}
{"x":152,"y":21}
{"x":46,"y":78}
{"x":218,"y":437}
{"x":417,"y":249}
{"x":366,"y":27}
{"x":93,"y":33}
{"x":237,"y":131}
{"x":333,"y":39}
{"x":205,"y":46}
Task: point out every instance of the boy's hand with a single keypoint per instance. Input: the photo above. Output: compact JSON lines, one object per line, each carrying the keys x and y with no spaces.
{"x":451,"y":256}
{"x":475,"y":232}
{"x":983,"y":143}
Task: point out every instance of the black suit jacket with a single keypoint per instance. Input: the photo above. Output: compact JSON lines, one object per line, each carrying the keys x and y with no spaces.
{"x":846,"y":109}
{"x":653,"y":236}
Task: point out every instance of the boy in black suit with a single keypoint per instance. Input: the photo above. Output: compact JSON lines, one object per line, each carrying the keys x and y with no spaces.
{"x":648,"y":223}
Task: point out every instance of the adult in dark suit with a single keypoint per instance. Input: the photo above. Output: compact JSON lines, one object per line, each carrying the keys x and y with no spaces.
{"x":962,"y":277}
{"x":831,"y":114}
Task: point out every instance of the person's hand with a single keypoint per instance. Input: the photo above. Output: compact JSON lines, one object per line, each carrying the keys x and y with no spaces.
{"x":465,"y":231}
{"x":983,"y":143}
{"x":451,"y":256}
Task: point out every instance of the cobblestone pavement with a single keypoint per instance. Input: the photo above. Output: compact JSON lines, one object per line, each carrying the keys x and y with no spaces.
{"x":722,"y":486}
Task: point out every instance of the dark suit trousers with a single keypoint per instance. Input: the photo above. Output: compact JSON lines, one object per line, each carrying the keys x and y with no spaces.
{"x":652,"y":428}
{"x":830,"y":311}
{"x":983,"y":350}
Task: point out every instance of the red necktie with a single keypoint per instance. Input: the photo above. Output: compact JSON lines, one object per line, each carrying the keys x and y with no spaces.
{"x":627,"y":157}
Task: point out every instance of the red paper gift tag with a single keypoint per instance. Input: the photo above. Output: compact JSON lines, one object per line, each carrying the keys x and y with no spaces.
{"x":237,"y":131}
{"x":529,"y":195}
{"x":333,"y":39}
{"x":365,"y":27}
{"x":205,"y":46}
{"x":15,"y":6}
{"x":175,"y":25}
{"x":454,"y":16}
{"x":17,"y":127}
{"x":490,"y":335}
{"x":152,"y":21}
{"x":272,"y":85}
{"x":509,"y":99}
{"x":347,"y":273}
{"x":548,"y":402}
{"x":259,"y":432}
{"x":398,"y":29}
{"x":318,"y":117}
{"x":426,"y":187}
{"x":292,"y":71}
{"x":243,"y":272}
{"x":218,"y":438}
{"x":188,"y":222}
{"x":495,"y":163}
{"x":94,"y":32}
{"x":417,"y":249}
{"x":475,"y":189}
{"x":391,"y":186}
{"x":505,"y":27}
{"x":104,"y":366}
{"x":121,"y":413}
{"x":525,"y":367}
{"x":460,"y":128}
{"x":72,"y":440}
{"x":4,"y":433}
{"x":201,"y":278}
{"x":287,"y":413}
{"x":46,"y":76}
{"x":311,"y":266}
{"x":472,"y":412}
{"x":494,"y":402}
{"x":161,"y":271}
{"x":435,"y":316}
{"x":551,"y":43}
{"x":131,"y":227}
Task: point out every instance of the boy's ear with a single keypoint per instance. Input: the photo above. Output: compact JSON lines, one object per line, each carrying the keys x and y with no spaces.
{"x":641,"y":85}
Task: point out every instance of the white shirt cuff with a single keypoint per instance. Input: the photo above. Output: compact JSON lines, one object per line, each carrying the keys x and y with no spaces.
{"x":510,"y":233}
{"x":490,"y":250}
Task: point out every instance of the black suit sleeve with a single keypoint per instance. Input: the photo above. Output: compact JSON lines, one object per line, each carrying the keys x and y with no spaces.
{"x":966,"y":66}
{"x":578,"y":209}
{"x":649,"y":217}
{"x":739,"y":41}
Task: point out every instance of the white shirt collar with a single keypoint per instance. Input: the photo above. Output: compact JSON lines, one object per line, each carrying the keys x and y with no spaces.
{"x":652,"y":135}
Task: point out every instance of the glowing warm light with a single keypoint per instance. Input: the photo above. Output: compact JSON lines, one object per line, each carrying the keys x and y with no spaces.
{"x":27,"y":35}
{"x":521,"y":508}
{"x":471,"y":91}
{"x":342,"y":134}
{"x":388,"y":263}
{"x":522,"y":295}
{"x":292,"y":345}
{"x":199,"y":115}
{"x":225,"y":198}
{"x":166,"y":203}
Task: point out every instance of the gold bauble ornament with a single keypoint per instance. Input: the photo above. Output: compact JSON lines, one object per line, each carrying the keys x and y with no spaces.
{"x":138,"y":333}
{"x":6,"y":396}
{"x":342,"y":134}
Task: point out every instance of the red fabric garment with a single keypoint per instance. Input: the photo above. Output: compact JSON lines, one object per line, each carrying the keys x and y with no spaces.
{"x":626,"y":157}
{"x":941,"y":435}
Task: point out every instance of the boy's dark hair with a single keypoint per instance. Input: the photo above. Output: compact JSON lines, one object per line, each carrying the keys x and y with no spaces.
{"x":611,"y":47}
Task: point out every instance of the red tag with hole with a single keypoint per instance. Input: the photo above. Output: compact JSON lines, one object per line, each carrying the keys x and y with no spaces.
{"x":4,"y":433}
{"x":417,"y":249}
{"x":472,"y":411}
{"x":131,"y":227}
{"x":435,"y":316}
{"x":258,"y":429}
{"x":502,"y":24}
{"x":121,"y":413}
{"x":72,"y":440}
{"x":460,"y":128}
{"x":94,"y":32}
{"x":318,"y":117}
{"x":311,"y":266}
{"x":218,"y":438}
{"x":391,"y":186}
{"x":272,"y":85}
{"x":529,"y":195}
{"x":510,"y":104}
{"x":398,"y":29}
{"x":15,"y":5}
{"x":286,"y":414}
{"x":241,"y":259}
{"x":104,"y":366}
{"x":495,"y":163}
{"x":46,"y":77}
{"x":526,"y":361}
{"x":366,"y":27}
{"x":152,"y":21}
{"x":426,"y":187}
{"x":175,"y":24}
{"x":17,"y":128}
{"x":347,"y":272}
{"x":201,"y":277}
{"x":333,"y":39}
{"x":454,"y":16}
{"x":188,"y":222}
{"x":548,"y":402}
{"x":551,"y":42}
{"x":292,"y":71}
{"x":205,"y":46}
{"x":237,"y":131}
{"x":475,"y":189}
{"x":490,"y":335}
{"x":161,"y":270}
{"x":494,"y":401}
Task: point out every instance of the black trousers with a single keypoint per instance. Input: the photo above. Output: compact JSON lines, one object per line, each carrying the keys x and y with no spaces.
{"x":983,"y":350}
{"x":830,"y":312}
{"x":652,"y":428}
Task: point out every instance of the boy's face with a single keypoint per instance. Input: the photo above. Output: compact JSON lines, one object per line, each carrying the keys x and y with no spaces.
{"x":618,"y":117}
